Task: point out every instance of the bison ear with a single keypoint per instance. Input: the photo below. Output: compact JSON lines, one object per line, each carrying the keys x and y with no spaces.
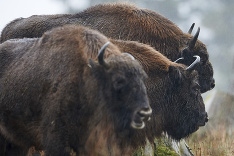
{"x":186,"y":54}
{"x":175,"y":75}
{"x":92,"y":63}
{"x":130,"y":55}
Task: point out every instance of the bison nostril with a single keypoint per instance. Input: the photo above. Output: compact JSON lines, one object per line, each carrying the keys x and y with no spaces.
{"x":206,"y":118}
{"x":212,"y":84}
{"x":140,"y":117}
{"x":145,"y":111}
{"x":203,"y":119}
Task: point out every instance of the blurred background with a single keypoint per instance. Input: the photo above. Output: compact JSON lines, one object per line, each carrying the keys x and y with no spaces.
{"x":216,"y":20}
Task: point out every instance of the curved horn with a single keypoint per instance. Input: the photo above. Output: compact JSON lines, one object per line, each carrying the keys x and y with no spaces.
{"x":101,"y":55}
{"x":179,"y":59}
{"x":191,"y":28}
{"x":195,"y":62}
{"x":194,"y":39}
{"x":129,"y":55}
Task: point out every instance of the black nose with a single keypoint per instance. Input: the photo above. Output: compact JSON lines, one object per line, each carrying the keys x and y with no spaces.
{"x":140,"y":117}
{"x":203,"y":119}
{"x":212,"y":83}
{"x":206,"y":117}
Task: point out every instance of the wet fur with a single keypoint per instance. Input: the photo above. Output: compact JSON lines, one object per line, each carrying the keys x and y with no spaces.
{"x":120,"y":21}
{"x":177,"y":106}
{"x":51,"y":99}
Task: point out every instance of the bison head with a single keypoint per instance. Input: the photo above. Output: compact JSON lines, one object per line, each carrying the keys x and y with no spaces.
{"x":123,"y":83}
{"x":204,"y":68}
{"x":185,"y":110}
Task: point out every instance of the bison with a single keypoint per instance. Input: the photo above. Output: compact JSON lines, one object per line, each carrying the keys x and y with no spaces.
{"x":59,"y":94}
{"x":173,"y":90}
{"x":126,"y":22}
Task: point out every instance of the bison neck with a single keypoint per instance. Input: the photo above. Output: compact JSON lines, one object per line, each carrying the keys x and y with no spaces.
{"x":156,"y":89}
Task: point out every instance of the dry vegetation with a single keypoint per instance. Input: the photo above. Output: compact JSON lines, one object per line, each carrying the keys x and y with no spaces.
{"x":212,"y":142}
{"x":217,"y":137}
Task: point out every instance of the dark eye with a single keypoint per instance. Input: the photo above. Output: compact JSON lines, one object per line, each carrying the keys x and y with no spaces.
{"x":119,"y":83}
{"x":196,"y":86}
{"x":204,"y":58}
{"x":203,"y":61}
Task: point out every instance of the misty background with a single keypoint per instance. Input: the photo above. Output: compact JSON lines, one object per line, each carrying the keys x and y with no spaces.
{"x":214,"y":17}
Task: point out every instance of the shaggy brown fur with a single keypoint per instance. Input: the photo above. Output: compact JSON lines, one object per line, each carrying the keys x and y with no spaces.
{"x":126,"y":22}
{"x":52,"y":97}
{"x":178,"y":108}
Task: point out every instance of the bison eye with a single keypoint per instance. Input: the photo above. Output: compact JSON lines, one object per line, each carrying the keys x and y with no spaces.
{"x":196,"y":87}
{"x":119,"y":83}
{"x":203,"y":61}
{"x":204,"y":57}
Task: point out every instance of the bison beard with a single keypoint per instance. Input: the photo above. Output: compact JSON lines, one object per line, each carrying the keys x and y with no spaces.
{"x":183,"y":123}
